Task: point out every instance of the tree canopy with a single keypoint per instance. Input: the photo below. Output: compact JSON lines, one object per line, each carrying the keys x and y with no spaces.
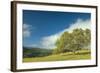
{"x":73,"y":41}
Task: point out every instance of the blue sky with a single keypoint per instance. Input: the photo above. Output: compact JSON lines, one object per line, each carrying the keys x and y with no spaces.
{"x":43,"y":28}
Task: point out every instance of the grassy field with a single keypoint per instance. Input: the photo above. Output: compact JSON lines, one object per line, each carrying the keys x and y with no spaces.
{"x":79,"y":55}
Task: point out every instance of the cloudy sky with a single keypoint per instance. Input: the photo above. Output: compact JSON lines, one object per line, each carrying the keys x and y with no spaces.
{"x":42,"y":28}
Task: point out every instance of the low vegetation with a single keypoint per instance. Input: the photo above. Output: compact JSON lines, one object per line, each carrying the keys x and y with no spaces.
{"x":79,"y":55}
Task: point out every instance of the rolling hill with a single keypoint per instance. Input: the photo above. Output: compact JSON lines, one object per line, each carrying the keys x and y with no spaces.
{"x":35,"y":52}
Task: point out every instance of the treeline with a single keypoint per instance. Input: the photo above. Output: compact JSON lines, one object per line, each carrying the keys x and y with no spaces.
{"x":72,"y":41}
{"x":35,"y":52}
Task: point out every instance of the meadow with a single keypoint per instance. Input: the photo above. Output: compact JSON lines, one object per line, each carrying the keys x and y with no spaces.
{"x":79,"y":55}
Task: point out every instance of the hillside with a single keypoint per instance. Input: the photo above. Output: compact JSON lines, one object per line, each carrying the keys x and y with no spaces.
{"x":35,"y":52}
{"x":79,"y":55}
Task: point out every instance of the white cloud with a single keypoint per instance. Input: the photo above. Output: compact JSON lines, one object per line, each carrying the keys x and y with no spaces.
{"x":80,"y":24}
{"x":26,"y":30}
{"x":49,"y":41}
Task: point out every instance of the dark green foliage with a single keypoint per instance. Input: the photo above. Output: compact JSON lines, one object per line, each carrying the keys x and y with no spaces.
{"x":35,"y":52}
{"x":76,"y":40}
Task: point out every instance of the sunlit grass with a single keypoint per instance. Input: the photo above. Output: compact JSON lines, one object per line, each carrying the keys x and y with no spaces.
{"x":79,"y":55}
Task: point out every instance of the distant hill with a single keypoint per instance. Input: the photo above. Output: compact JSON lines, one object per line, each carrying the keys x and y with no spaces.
{"x":35,"y":52}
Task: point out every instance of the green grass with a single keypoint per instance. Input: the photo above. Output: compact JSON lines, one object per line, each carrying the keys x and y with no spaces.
{"x":79,"y":55}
